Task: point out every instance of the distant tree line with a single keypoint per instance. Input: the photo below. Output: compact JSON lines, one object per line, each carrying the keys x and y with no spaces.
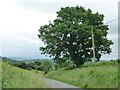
{"x":41,"y":65}
{"x":48,"y":65}
{"x":45,"y":65}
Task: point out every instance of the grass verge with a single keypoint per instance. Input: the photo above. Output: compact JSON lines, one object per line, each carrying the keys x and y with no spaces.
{"x":105,"y":76}
{"x":0,"y":74}
{"x":13,"y":77}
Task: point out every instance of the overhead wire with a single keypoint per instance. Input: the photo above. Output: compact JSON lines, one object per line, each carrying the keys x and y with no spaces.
{"x":112,"y":20}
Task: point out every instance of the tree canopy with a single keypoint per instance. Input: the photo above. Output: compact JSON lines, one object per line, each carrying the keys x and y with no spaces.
{"x":69,"y":36}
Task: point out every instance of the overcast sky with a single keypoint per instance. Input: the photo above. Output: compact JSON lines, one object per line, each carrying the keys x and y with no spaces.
{"x":21,"y":19}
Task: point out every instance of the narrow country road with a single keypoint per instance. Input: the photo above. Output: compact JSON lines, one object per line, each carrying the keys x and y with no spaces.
{"x":58,"y":84}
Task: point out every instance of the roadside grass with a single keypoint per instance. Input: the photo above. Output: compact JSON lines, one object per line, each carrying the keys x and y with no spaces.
{"x":0,"y":74}
{"x":14,"y":77}
{"x":105,"y":76}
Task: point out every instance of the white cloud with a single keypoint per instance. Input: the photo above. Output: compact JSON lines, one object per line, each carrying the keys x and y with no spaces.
{"x":113,"y":37}
{"x":28,"y":40}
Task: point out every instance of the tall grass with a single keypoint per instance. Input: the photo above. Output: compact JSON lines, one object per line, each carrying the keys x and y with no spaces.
{"x":0,"y":74}
{"x":13,"y":77}
{"x":105,"y":76}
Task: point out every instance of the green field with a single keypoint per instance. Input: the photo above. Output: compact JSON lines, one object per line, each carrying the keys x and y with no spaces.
{"x":105,"y":76}
{"x":13,"y":77}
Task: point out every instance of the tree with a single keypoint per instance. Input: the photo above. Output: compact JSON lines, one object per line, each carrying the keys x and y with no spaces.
{"x":46,"y":66}
{"x":38,"y":63}
{"x":69,"y":36}
{"x":22,"y":65}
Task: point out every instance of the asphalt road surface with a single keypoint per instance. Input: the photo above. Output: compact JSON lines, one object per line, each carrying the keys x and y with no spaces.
{"x":58,"y":84}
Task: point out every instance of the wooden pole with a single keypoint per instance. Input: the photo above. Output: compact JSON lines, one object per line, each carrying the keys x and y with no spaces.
{"x":93,"y":45}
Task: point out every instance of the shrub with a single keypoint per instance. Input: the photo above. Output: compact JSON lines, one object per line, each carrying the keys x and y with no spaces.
{"x":46,"y":66}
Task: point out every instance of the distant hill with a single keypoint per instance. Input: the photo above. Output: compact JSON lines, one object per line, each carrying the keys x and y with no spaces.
{"x":6,"y":58}
{"x":17,"y":59}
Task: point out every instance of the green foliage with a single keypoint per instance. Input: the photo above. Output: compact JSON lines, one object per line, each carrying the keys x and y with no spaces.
{"x":31,"y":65}
{"x":105,"y":76}
{"x":23,"y":65}
{"x":14,"y":77}
{"x":38,"y":62}
{"x":69,"y":36}
{"x":44,"y":65}
{"x":26,"y":65}
{"x":100,"y":63}
{"x":66,"y":65}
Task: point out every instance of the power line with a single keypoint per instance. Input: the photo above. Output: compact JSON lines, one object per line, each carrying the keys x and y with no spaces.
{"x":93,"y":43}
{"x":112,"y":20}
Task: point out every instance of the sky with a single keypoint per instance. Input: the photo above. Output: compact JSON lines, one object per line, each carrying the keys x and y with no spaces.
{"x":20,"y":21}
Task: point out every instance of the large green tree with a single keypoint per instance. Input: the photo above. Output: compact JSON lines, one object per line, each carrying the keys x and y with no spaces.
{"x":69,"y":36}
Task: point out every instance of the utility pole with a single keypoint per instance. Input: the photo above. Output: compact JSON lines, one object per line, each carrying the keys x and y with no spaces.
{"x":93,"y":45}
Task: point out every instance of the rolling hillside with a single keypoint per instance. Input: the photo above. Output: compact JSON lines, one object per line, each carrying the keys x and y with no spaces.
{"x":105,"y":76}
{"x":14,"y":77}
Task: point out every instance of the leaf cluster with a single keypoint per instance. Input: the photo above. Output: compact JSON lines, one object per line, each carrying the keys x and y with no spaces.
{"x":69,"y":36}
